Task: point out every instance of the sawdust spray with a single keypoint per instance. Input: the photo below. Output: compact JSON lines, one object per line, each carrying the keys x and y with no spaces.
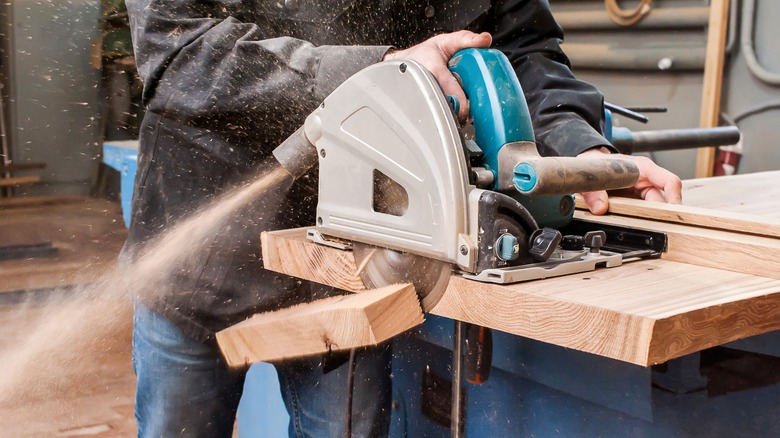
{"x":78,"y":325}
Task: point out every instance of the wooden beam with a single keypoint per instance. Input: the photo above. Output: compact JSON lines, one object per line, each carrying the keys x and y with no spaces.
{"x":690,"y":215}
{"x":314,"y":263}
{"x":713,"y":80}
{"x":19,"y":180}
{"x":20,"y":167}
{"x":644,"y":312}
{"x":336,"y":323}
{"x":38,"y":201}
{"x":747,"y":254}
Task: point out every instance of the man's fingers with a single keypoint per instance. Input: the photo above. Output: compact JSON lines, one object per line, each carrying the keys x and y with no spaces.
{"x":673,"y":191}
{"x":435,"y":53}
{"x":653,"y":194}
{"x":451,"y":87}
{"x":597,"y":202}
{"x":450,"y":43}
{"x":662,"y":179}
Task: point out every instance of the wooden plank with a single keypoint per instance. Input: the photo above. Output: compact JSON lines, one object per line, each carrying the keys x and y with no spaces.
{"x":330,"y":324}
{"x":751,"y":193}
{"x":690,"y":215}
{"x":644,"y":312}
{"x":19,"y":180}
{"x":38,"y":201}
{"x":315,"y":263}
{"x":20,"y":167}
{"x":713,"y":80}
{"x":748,"y":254}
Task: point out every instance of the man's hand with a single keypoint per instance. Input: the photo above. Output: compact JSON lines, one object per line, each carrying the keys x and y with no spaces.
{"x":434,"y":54}
{"x":655,"y":183}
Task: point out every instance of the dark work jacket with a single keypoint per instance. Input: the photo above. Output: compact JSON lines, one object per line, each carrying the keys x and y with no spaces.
{"x":226,"y":81}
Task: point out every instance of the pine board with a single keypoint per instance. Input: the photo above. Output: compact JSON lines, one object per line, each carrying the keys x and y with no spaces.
{"x":19,"y":180}
{"x":330,"y":324}
{"x":691,"y":215}
{"x":751,"y":193}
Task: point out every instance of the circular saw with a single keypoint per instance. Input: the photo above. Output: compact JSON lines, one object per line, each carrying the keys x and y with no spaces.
{"x":417,"y":197}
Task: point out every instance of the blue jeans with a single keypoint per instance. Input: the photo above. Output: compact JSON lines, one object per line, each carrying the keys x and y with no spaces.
{"x":185,"y":389}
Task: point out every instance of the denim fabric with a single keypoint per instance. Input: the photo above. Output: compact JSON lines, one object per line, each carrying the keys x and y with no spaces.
{"x":317,"y":402}
{"x":185,"y":389}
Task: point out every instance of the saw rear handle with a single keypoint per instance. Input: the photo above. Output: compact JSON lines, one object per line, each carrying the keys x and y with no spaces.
{"x":561,"y":175}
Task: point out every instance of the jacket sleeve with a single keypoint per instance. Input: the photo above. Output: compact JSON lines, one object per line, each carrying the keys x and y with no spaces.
{"x":567,"y":113}
{"x":202,"y":65}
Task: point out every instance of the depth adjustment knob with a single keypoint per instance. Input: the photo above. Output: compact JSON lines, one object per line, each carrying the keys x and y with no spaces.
{"x":507,"y":247}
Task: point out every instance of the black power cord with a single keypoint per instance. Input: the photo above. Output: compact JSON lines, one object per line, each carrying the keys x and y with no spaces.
{"x":350,"y":390}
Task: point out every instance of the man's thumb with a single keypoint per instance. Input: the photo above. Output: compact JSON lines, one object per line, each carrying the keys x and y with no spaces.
{"x":462,"y":40}
{"x":597,"y":202}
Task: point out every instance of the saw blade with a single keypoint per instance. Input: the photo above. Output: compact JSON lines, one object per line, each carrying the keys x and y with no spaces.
{"x":380,"y":267}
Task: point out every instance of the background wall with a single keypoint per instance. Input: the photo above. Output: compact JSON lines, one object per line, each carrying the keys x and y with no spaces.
{"x":52,"y":93}
{"x":624,"y":64}
{"x":51,"y":90}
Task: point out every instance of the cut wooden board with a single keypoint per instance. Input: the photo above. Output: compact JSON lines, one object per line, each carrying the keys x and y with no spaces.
{"x":644,"y":312}
{"x":747,"y":254}
{"x":337,"y":323}
{"x":690,"y":215}
{"x":288,"y":253}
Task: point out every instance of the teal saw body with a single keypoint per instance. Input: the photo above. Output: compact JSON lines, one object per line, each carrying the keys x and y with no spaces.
{"x":500,"y":115}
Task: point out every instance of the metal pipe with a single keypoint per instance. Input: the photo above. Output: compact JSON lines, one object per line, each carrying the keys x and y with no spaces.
{"x":667,"y":18}
{"x":457,"y":364}
{"x":634,"y":115}
{"x":748,"y":49}
{"x":604,"y":57}
{"x":673,"y":139}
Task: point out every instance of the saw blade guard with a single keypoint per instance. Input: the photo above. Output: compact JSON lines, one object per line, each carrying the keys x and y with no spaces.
{"x":392,"y":169}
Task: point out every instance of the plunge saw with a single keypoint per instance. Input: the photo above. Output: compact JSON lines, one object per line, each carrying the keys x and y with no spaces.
{"x":417,"y":195}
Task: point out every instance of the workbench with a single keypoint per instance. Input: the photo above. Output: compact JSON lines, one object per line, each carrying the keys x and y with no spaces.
{"x":573,"y":354}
